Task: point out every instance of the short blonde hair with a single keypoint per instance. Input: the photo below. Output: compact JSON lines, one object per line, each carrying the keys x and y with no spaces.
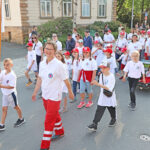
{"x":53,"y":44}
{"x":136,"y":53}
{"x":8,"y":60}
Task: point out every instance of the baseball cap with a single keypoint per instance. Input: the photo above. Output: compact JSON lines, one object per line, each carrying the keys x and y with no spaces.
{"x":80,"y":41}
{"x":104,"y":64}
{"x":108,"y":50}
{"x":109,"y":46}
{"x":86,"y":49}
{"x":67,"y":53}
{"x":124,"y":50}
{"x":75,"y":50}
{"x":29,"y":44}
{"x":148,"y":32}
{"x":143,"y":32}
{"x":122,"y":33}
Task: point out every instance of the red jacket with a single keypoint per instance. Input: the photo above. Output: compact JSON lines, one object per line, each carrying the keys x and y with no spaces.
{"x":87,"y":75}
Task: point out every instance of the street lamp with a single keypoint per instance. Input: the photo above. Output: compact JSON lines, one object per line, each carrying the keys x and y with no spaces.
{"x":132,"y":17}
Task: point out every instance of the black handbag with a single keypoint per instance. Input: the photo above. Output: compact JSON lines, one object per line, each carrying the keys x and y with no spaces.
{"x":106,"y":92}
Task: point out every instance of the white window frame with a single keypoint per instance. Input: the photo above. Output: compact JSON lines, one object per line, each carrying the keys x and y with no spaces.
{"x":67,"y":4}
{"x":102,"y":4}
{"x":87,"y":4}
{"x":6,"y":2}
{"x":45,"y":2}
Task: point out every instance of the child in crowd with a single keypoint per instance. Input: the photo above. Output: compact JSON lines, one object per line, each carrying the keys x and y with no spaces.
{"x":60,"y":57}
{"x":75,"y":71}
{"x":107,"y":82}
{"x":134,"y":69}
{"x":9,"y":98}
{"x":95,"y":47}
{"x":98,"y":38}
{"x":99,"y":55}
{"x":111,"y":60}
{"x":68,"y":62}
{"x":32,"y":66}
{"x":123,"y":58}
{"x":87,"y":74}
{"x":80,"y":48}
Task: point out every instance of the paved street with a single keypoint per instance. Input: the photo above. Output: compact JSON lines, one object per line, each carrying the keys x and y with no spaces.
{"x":124,"y":136}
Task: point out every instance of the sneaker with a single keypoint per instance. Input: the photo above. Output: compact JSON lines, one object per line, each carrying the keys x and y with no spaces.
{"x":54,"y":137}
{"x":19,"y":122}
{"x":112,"y":122}
{"x":132,"y":106}
{"x":2,"y":127}
{"x":92,"y":127}
{"x":29,"y":83}
{"x":89,"y":104}
{"x":81,"y":105}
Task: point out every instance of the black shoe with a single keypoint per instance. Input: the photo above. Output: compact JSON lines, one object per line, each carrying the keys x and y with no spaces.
{"x":112,"y":122}
{"x":19,"y":122}
{"x":92,"y":127}
{"x":132,"y":106}
{"x":2,"y":127}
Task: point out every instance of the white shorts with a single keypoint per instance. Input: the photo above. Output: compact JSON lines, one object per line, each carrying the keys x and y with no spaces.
{"x":10,"y":100}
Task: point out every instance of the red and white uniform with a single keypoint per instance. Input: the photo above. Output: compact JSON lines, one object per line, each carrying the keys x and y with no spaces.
{"x":108,"y":38}
{"x":75,"y":68}
{"x":123,"y":59}
{"x":87,"y":67}
{"x":52,"y":75}
{"x":121,"y":43}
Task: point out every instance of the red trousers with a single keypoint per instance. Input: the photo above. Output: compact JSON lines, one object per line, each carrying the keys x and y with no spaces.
{"x":52,"y":122}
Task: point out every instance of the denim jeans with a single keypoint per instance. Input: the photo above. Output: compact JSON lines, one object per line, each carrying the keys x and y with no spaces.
{"x":74,"y":87}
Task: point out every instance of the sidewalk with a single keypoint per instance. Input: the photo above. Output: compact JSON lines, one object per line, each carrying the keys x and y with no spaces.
{"x":17,"y":53}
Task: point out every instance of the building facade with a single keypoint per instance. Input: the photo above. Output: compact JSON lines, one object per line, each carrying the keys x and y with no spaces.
{"x":21,"y":15}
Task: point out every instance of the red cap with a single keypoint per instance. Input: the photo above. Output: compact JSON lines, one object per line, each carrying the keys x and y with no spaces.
{"x":75,"y":50}
{"x":122,"y":33}
{"x":29,"y":44}
{"x":109,"y":46}
{"x":109,"y":31}
{"x":142,"y":32}
{"x":86,"y":49}
{"x":96,"y":42}
{"x":67,"y":53}
{"x":124,"y":50}
{"x":108,"y":50}
{"x":148,"y":32}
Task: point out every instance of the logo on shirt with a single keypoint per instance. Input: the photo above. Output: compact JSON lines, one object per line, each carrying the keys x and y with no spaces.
{"x":50,"y":75}
{"x":68,"y":63}
{"x":7,"y":81}
{"x":135,"y":47}
{"x":137,"y":67}
{"x":87,"y":63}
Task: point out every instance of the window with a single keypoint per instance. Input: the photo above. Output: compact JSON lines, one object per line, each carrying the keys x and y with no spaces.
{"x":7,"y":8}
{"x":102,"y":8}
{"x":86,"y":8}
{"x":46,"y":8}
{"x":67,"y":8}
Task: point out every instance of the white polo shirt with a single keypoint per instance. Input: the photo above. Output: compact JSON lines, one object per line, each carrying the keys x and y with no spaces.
{"x":9,"y":79}
{"x":75,"y":68}
{"x":134,"y":47}
{"x":53,"y":75}
{"x":36,"y":47}
{"x":134,"y":69}
{"x":59,"y":45}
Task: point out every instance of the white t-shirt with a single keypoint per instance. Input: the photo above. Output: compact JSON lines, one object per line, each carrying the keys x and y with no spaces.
{"x":134,"y":69}
{"x":74,"y":36}
{"x":94,"y":49}
{"x":142,"y":41}
{"x":37,"y":47}
{"x":108,"y":38}
{"x":121,"y":43}
{"x":30,"y":57}
{"x":99,"y":57}
{"x":112,"y":62}
{"x":99,"y":39}
{"x":109,"y":81}
{"x":123,"y":59}
{"x":65,"y":89}
{"x":129,"y":37}
{"x":9,"y":79}
{"x":59,"y":45}
{"x":88,"y":65}
{"x":69,"y":63}
{"x":75,"y":68}
{"x":133,"y":47}
{"x":80,"y":50}
{"x":53,"y":75}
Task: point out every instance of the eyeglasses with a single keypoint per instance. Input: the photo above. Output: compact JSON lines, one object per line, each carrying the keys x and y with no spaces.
{"x":34,"y":38}
{"x":49,"y":49}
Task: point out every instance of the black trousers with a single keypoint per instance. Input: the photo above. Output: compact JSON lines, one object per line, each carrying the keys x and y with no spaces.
{"x":100,"y":111}
{"x":38,"y":60}
{"x":132,"y":86}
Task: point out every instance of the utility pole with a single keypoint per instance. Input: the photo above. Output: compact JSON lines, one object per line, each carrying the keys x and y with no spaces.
{"x":0,"y":27}
{"x":132,"y":17}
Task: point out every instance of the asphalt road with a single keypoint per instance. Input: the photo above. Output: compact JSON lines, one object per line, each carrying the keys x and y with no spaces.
{"x":124,"y":136}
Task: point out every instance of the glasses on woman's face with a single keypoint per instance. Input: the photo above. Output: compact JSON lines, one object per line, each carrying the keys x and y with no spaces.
{"x":33,"y":38}
{"x":49,"y":49}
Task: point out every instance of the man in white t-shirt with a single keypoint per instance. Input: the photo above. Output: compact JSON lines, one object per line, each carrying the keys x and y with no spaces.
{"x":58,"y":43}
{"x":52,"y":75}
